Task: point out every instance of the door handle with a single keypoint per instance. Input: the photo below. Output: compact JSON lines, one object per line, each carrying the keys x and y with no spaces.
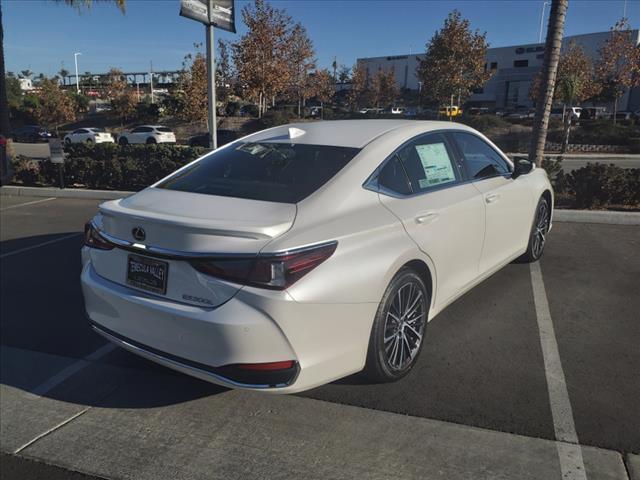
{"x":492,"y":197}
{"x":426,"y":218}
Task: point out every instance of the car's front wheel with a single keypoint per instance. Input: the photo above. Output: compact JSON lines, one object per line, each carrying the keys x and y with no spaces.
{"x":151,"y":141}
{"x":399,"y":327}
{"x":123,"y":141}
{"x":539,"y":230}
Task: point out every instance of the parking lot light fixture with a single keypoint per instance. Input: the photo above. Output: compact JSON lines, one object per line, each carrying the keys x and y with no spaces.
{"x":75,"y":59}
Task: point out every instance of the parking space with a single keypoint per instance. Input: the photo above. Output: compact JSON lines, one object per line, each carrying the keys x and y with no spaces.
{"x":482,"y":366}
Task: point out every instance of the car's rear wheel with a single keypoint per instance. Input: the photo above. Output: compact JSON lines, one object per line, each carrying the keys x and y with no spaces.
{"x":151,"y":141}
{"x":398,"y":330}
{"x":123,"y":141}
{"x":67,"y":141}
{"x":539,"y":230}
{"x":89,"y":141}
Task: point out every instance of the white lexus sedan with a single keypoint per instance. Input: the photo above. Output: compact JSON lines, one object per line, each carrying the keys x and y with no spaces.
{"x":305,"y":253}
{"x":88,"y":136}
{"x":147,"y":134}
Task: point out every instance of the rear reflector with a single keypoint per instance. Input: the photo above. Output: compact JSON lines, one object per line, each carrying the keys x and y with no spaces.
{"x":266,"y":366}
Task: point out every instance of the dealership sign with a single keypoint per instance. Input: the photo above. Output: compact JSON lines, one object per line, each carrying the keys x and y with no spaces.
{"x":219,"y":13}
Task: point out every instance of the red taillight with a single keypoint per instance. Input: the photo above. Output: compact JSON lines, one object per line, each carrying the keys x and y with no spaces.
{"x":278,"y":271}
{"x":267,"y":366}
{"x":93,"y":239}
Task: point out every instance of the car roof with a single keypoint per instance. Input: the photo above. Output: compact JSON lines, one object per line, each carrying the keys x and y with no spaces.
{"x":347,"y":133}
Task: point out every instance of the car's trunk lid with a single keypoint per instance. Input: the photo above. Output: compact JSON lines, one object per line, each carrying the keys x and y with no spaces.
{"x":188,"y":224}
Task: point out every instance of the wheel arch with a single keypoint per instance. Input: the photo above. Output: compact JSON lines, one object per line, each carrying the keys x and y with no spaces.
{"x":422,"y":269}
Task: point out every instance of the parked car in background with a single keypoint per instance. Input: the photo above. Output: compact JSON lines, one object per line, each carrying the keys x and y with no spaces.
{"x":559,"y":112}
{"x":31,"y":134}
{"x":593,"y":113}
{"x":624,"y":116}
{"x":308,"y":252}
{"x":521,"y":112}
{"x":88,"y":135}
{"x":5,"y":162}
{"x":451,"y":111}
{"x":148,"y":134}
{"x":477,"y":111}
{"x":202,"y":140}
{"x":397,"y":110}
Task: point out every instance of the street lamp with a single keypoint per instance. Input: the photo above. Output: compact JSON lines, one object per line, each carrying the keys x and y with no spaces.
{"x":544,"y":4}
{"x":75,"y":59}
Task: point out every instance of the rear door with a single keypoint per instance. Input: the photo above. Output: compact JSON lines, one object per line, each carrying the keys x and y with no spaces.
{"x":423,"y":185}
{"x":508,"y":205}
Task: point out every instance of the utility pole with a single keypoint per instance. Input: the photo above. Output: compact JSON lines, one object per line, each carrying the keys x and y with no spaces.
{"x":75,"y":59}
{"x":544,"y":4}
{"x":211,"y":88}
{"x":151,"y":78}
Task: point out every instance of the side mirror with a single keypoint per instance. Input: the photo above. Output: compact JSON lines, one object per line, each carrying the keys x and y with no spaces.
{"x":521,"y":166}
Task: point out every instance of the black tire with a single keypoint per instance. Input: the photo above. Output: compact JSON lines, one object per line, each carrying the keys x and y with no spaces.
{"x":88,"y":141}
{"x":385,"y":360}
{"x":151,"y":141}
{"x":123,"y":141}
{"x":67,"y":141}
{"x":539,"y":230}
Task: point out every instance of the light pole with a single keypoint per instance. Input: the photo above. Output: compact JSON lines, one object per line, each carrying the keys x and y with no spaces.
{"x":544,"y":4}
{"x":75,"y":59}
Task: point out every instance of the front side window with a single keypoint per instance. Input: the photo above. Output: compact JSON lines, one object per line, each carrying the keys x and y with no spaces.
{"x":480,"y":159}
{"x":429,"y":163}
{"x":272,"y":172}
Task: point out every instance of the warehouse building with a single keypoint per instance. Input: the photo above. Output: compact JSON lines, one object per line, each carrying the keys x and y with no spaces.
{"x":513,"y":71}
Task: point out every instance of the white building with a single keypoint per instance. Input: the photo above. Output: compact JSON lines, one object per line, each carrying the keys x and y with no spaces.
{"x":26,"y":85}
{"x":514,"y":69}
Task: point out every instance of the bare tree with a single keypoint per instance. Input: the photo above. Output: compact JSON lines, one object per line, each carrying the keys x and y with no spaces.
{"x":553,"y":45}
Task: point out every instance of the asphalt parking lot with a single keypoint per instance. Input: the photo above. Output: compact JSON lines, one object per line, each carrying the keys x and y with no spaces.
{"x":477,"y":405}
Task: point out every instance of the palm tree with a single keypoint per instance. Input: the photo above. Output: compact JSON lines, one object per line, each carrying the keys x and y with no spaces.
{"x":5,"y":127}
{"x":62,"y":73}
{"x":553,"y":44}
{"x":25,"y":73}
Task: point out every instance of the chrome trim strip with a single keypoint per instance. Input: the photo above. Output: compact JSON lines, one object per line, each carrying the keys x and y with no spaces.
{"x":181,"y":255}
{"x":169,"y":362}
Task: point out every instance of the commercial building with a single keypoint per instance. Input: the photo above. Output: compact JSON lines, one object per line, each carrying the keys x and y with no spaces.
{"x":513,"y":71}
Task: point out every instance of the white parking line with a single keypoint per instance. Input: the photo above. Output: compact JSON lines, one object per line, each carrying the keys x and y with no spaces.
{"x":27,"y":203}
{"x":72,"y":369}
{"x":51,"y":430}
{"x":15,"y":252}
{"x":569,"y":452}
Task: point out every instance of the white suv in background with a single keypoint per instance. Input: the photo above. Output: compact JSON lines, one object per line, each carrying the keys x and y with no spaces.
{"x":88,"y":135}
{"x":148,"y":134}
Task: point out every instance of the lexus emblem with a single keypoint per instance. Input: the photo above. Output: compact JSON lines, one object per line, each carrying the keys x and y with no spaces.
{"x":139,"y":234}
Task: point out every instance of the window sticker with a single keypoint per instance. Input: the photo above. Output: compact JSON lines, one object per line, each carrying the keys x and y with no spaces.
{"x":436,"y":165}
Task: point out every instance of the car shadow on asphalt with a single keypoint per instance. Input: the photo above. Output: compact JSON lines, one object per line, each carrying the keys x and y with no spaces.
{"x":44,"y":331}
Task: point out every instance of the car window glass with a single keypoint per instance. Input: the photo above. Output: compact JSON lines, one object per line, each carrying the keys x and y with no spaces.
{"x":393,"y":177}
{"x":480,"y":159}
{"x":274,"y":172}
{"x":428,"y":163}
{"x":82,"y":130}
{"x":163,"y":129}
{"x":138,"y":130}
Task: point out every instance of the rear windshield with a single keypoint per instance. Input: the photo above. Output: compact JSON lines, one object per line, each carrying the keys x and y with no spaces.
{"x":163,"y":129}
{"x":273,"y":172}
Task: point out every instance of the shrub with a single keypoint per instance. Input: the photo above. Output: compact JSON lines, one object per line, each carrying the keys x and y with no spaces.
{"x":484,"y":123}
{"x":599,"y":185}
{"x":108,"y":166}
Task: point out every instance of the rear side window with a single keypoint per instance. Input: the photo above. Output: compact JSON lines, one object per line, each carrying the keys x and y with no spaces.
{"x":480,"y":159}
{"x":163,"y":129}
{"x":273,"y":172}
{"x":429,"y":163}
{"x":392,"y":177}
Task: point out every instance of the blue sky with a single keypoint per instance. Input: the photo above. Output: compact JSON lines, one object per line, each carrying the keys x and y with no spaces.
{"x":39,"y":35}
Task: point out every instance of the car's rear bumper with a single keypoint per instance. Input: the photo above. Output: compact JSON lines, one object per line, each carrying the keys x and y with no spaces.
{"x":326,"y":341}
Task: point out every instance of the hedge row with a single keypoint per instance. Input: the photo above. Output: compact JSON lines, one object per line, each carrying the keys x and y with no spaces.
{"x":108,"y":166}
{"x":595,"y":185}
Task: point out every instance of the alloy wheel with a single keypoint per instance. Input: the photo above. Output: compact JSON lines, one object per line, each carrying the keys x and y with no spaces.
{"x":404,"y":326}
{"x":540,"y":230}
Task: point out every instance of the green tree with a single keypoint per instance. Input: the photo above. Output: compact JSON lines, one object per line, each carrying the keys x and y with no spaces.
{"x":14,"y":92}
{"x":453,"y":64}
{"x":55,"y":106}
{"x":4,"y":109}
{"x":383,"y":88}
{"x":224,"y":74}
{"x":260,"y":56}
{"x":619,"y":65}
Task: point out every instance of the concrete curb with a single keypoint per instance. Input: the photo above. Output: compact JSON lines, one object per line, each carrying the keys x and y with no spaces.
{"x":596,"y":216}
{"x":63,"y":192}
{"x":633,"y":466}
{"x":559,"y":215}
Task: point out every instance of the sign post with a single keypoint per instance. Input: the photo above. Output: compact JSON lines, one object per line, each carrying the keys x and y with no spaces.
{"x":56,"y":155}
{"x":213,"y":13}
